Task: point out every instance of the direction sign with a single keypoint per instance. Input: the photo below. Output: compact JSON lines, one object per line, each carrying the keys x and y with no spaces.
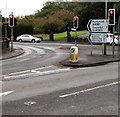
{"x":98,"y":37}
{"x":98,"y":25}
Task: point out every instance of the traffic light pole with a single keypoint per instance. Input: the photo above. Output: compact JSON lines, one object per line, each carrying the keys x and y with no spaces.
{"x":119,"y":37}
{"x":11,"y":24}
{"x":113,"y":40}
{"x":76,"y":38}
{"x":104,"y":45}
{"x":11,"y":39}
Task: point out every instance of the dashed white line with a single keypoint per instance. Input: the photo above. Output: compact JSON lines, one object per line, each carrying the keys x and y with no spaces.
{"x":90,"y":89}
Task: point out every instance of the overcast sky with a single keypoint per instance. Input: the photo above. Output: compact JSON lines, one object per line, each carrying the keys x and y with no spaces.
{"x":20,"y":7}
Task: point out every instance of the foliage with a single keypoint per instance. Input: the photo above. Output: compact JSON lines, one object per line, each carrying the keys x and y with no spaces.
{"x":57,"y":22}
{"x":24,"y":26}
{"x":56,"y":17}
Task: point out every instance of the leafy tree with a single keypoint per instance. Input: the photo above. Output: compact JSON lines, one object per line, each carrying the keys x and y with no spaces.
{"x":57,"y":22}
{"x":48,"y":9}
{"x":24,"y":26}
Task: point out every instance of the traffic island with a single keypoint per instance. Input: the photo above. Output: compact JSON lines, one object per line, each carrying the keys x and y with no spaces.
{"x":88,"y":64}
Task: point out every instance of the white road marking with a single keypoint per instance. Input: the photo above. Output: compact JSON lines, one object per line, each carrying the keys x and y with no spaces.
{"x":16,"y":73}
{"x":90,"y":89}
{"x":6,"y":93}
{"x":38,"y":73}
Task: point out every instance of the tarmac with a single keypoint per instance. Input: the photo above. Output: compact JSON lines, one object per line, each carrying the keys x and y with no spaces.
{"x":87,"y":56}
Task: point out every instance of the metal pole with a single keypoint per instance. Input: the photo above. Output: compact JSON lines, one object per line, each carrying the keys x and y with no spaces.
{"x":76,"y":39}
{"x":104,"y":45}
{"x":118,"y":37}
{"x":11,"y":38}
{"x":91,"y":48}
{"x":6,"y":21}
{"x":113,"y":36}
{"x":113,"y":40}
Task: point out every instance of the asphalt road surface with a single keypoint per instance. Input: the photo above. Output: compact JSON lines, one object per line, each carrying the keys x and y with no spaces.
{"x":62,"y":91}
{"x":35,"y":84}
{"x":36,"y":55}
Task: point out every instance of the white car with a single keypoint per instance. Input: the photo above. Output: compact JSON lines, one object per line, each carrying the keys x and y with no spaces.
{"x":26,"y":37}
{"x":109,"y":37}
{"x":115,"y":42}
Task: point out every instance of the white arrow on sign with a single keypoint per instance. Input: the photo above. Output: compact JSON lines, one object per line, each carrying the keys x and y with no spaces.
{"x":98,"y":25}
{"x":98,"y":37}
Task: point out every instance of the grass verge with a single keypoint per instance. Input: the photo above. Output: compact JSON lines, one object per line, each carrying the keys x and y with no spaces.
{"x":60,"y":36}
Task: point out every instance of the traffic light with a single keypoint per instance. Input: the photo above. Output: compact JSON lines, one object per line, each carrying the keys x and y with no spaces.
{"x":76,"y":22}
{"x":11,"y":20}
{"x":111,"y":16}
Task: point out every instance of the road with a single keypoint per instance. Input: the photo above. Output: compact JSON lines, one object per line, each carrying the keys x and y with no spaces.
{"x":36,"y":55}
{"x":56,"y":90}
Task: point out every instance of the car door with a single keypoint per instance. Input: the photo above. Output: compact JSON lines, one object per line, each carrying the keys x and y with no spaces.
{"x":25,"y":37}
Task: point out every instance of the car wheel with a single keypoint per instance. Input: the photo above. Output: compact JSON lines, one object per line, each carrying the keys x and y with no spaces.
{"x":33,"y":40}
{"x":113,"y":43}
{"x":20,"y":40}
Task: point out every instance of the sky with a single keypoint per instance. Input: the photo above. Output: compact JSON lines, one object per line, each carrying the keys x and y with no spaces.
{"x":20,"y":7}
{"x":25,"y":7}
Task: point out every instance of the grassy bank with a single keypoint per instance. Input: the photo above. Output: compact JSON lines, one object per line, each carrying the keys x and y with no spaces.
{"x":59,"y":36}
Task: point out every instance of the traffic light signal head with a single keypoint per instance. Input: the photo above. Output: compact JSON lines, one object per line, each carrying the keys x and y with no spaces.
{"x":11,"y":20}
{"x":15,"y":21}
{"x":75,"y":22}
{"x":111,"y":16}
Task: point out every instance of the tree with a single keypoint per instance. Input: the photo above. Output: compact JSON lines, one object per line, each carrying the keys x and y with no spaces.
{"x":54,"y":23}
{"x":24,"y":26}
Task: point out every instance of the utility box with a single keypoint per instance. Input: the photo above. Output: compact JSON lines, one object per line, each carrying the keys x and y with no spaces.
{"x":74,"y":54}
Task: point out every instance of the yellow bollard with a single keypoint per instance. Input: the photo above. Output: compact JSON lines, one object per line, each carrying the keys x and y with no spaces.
{"x":74,"y":54}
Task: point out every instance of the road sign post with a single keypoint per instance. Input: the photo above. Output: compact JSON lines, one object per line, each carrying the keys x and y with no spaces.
{"x":98,"y":29}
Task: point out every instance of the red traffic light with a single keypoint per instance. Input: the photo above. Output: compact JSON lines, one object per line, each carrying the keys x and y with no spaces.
{"x":75,"y":18}
{"x":76,"y":22}
{"x":11,"y":20}
{"x":11,"y":16}
{"x":111,"y":16}
{"x":111,"y":11}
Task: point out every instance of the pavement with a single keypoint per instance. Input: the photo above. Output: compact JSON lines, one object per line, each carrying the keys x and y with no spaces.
{"x":14,"y":53}
{"x":87,"y":56}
